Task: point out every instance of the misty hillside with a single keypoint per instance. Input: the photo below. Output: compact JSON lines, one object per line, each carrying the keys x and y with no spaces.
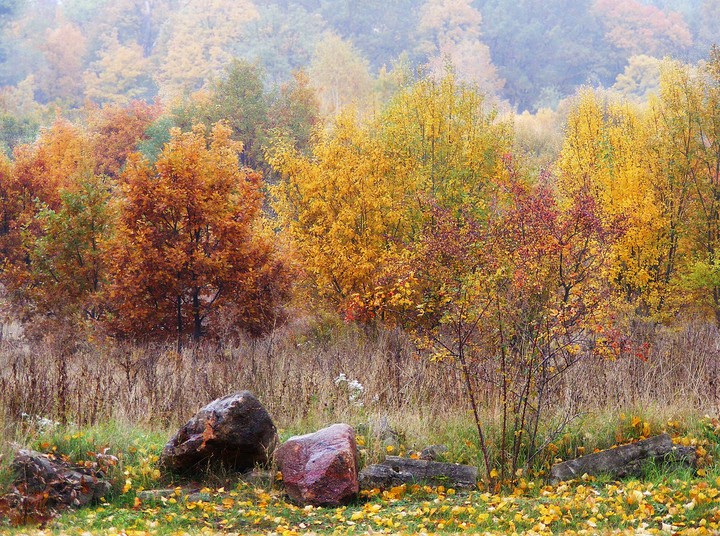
{"x":530,"y":53}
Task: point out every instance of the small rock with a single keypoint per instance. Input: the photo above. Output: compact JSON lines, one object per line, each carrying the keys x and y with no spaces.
{"x":258,"y":477}
{"x":234,"y":431}
{"x":155,"y":494}
{"x":380,"y":428}
{"x":433,"y":452}
{"x":320,"y":469}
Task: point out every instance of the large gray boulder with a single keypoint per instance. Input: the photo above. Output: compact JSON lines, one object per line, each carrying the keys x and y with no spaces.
{"x":320,"y":469}
{"x":235,"y":432}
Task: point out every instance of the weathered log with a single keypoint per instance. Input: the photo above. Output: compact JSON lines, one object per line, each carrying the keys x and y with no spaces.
{"x":395,"y":471}
{"x":625,"y":460}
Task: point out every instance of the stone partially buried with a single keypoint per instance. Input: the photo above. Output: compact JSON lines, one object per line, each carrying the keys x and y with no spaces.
{"x":235,"y":432}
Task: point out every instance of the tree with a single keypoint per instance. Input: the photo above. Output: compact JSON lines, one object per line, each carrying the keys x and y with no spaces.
{"x":340,"y":75}
{"x":361,"y":196}
{"x":566,"y":33}
{"x":513,"y":301}
{"x":295,"y":113}
{"x":643,"y":29}
{"x":452,"y":37}
{"x":64,"y":50}
{"x":281,"y":39}
{"x":115,"y":132}
{"x":199,"y":44}
{"x":239,"y":98}
{"x":186,"y":246}
{"x":121,"y":73}
{"x":56,"y":216}
{"x":446,"y":143}
{"x":608,"y":153}
{"x":691,"y":98}
{"x":46,"y":167}
{"x":20,"y":115}
{"x":68,"y":267}
{"x":338,"y":208}
{"x":640,"y":78}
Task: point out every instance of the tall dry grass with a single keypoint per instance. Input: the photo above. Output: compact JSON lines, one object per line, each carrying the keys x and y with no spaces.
{"x":294,"y":372}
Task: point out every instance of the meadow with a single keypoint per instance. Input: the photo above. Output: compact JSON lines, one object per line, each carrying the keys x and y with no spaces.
{"x":127,"y":402}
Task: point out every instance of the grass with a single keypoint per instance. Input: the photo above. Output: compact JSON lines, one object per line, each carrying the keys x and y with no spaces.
{"x":670,"y":504}
{"x":127,"y":401}
{"x":666,"y":502}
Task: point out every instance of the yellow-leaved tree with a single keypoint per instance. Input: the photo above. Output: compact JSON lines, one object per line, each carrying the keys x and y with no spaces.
{"x":338,"y":207}
{"x":367,"y":190}
{"x":688,"y":123}
{"x":607,"y":153}
{"x":447,"y":145}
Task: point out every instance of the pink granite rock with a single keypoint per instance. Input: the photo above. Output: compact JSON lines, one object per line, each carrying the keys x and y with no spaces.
{"x":320,"y":469}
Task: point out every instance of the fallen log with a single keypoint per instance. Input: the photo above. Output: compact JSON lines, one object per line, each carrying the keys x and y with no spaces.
{"x":625,"y":460}
{"x":395,"y":471}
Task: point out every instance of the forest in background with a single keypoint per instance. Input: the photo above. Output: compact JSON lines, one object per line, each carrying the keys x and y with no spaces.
{"x":171,"y":202}
{"x":530,"y":54}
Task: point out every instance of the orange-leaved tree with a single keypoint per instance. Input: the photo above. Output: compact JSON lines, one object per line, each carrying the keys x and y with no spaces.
{"x":68,"y":257}
{"x":116,"y":130}
{"x":35,"y":183}
{"x":188,"y":246}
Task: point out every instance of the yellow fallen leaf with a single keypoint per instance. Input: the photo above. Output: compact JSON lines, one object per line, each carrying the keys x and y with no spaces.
{"x":646,"y":429}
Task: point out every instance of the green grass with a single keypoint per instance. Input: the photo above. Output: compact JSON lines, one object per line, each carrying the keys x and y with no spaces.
{"x":594,"y":507}
{"x":664,"y":502}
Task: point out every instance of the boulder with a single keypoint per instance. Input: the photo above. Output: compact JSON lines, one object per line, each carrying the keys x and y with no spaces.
{"x":235,"y":432}
{"x":395,"y":471}
{"x":56,"y":483}
{"x":625,"y":460}
{"x":320,"y":469}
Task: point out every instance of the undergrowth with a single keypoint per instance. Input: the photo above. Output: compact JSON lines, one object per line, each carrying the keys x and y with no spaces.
{"x":123,"y":403}
{"x":676,"y":499}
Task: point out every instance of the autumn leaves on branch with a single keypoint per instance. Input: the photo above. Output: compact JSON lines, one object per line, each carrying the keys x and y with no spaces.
{"x":146,"y":222}
{"x":153,"y":253}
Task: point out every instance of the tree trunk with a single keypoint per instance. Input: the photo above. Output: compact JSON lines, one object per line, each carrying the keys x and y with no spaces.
{"x":624,"y":460}
{"x":197,"y":319}
{"x":179,"y":324}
